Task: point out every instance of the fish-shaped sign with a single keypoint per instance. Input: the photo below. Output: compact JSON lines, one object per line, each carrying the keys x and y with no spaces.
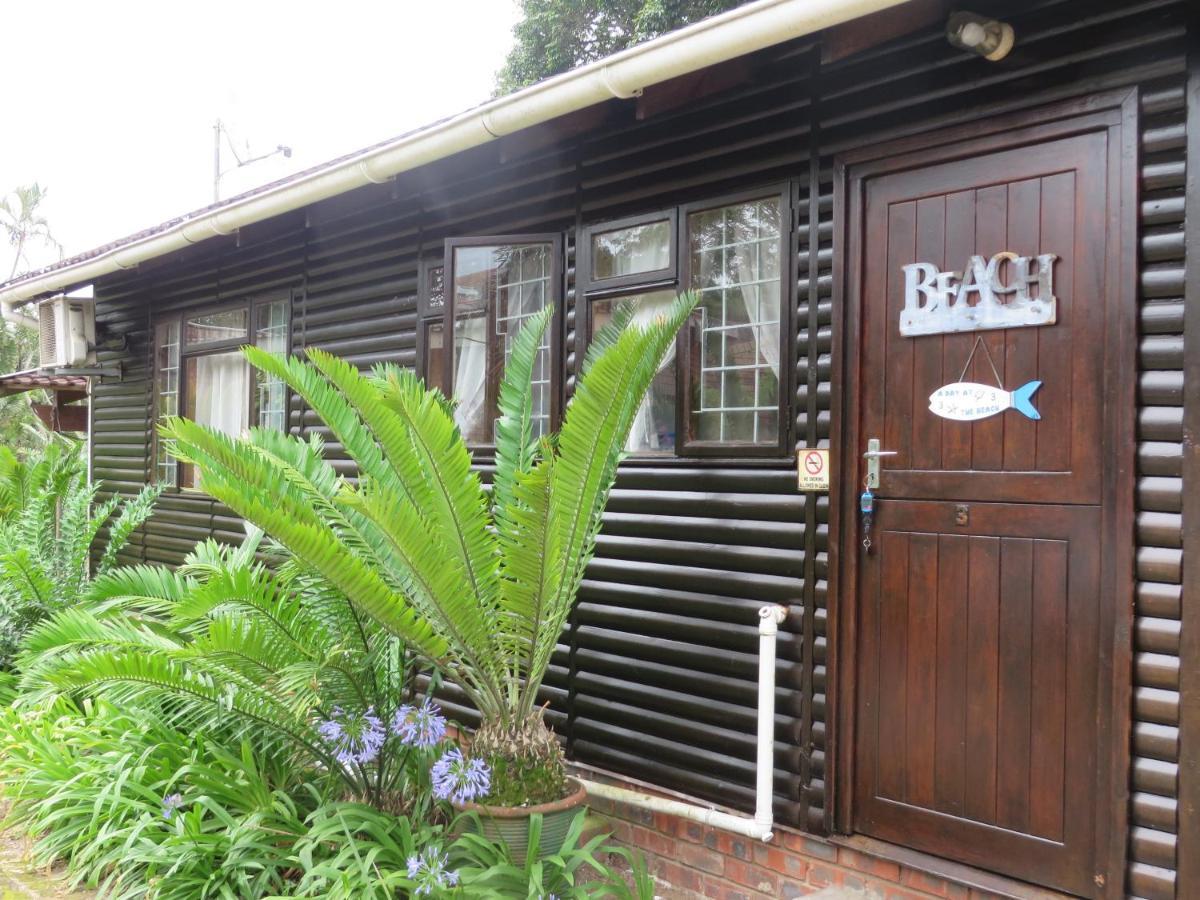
{"x":966,"y":401}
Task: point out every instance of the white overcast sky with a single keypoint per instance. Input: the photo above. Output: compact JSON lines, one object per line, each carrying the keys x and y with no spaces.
{"x":110,"y":105}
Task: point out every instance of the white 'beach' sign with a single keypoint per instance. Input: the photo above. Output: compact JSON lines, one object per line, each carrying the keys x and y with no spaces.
{"x":937,"y":302}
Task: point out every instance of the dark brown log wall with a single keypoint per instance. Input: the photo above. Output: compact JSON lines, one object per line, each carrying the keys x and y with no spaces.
{"x":656,"y":675}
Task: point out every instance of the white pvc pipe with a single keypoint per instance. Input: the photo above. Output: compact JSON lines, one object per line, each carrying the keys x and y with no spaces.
{"x":769,"y":619}
{"x":761,"y":825}
{"x":717,"y":39}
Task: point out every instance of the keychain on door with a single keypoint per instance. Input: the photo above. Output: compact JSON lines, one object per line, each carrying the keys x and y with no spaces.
{"x":866,"y":506}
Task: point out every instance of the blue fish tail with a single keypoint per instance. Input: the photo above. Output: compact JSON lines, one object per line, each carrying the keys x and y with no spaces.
{"x":1021,"y":400}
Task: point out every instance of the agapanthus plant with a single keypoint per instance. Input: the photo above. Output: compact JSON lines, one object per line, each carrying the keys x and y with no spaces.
{"x":355,"y":739}
{"x":460,"y":779}
{"x":419,"y":726}
{"x":171,"y":804}
{"x":429,"y":872}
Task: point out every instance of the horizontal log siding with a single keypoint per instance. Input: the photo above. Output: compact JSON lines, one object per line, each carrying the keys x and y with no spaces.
{"x":1154,"y":820}
{"x":655,"y":675}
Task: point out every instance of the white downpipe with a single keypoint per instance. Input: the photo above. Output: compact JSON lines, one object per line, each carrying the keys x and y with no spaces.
{"x":735,"y":33}
{"x":761,"y":825}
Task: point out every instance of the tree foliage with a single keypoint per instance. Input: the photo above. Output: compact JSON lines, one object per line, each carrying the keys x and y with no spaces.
{"x":24,"y":226}
{"x":20,"y":429}
{"x":555,"y":36}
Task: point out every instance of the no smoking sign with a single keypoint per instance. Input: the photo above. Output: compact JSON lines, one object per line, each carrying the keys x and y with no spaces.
{"x":812,"y":467}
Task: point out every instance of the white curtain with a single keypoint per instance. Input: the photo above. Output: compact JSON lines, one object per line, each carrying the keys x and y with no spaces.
{"x":470,"y":374}
{"x":766,"y":331}
{"x":646,"y":434}
{"x":220,"y":391}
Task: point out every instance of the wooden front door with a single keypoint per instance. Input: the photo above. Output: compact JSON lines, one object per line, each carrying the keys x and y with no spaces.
{"x":986,"y":611}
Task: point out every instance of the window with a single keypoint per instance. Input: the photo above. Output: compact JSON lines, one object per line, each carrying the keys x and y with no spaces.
{"x":734,"y":342}
{"x":629,"y":252}
{"x":205,"y":377}
{"x":655,"y":425}
{"x":431,"y":326}
{"x":718,"y":388}
{"x":494,"y":286}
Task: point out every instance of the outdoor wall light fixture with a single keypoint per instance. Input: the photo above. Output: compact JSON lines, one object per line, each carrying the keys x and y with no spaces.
{"x":990,"y":38}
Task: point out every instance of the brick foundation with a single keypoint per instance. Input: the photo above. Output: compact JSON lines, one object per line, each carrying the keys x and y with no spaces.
{"x":691,"y":860}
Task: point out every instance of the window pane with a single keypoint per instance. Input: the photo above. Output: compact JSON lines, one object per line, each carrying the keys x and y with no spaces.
{"x":435,"y":287}
{"x":271,"y":334}
{"x":735,"y":331}
{"x":435,"y":355}
{"x":654,"y":427}
{"x":507,"y":284}
{"x":218,"y":395}
{"x":166,"y":379}
{"x":628,"y":251}
{"x":227,"y":325}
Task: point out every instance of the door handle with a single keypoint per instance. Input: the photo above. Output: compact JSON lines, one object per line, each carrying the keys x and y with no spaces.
{"x":872,"y":457}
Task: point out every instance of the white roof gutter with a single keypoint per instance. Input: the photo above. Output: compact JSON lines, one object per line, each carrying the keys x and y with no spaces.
{"x":735,"y":33}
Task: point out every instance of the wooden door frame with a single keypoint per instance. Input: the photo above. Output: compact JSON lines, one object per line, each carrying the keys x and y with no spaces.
{"x":1112,"y":111}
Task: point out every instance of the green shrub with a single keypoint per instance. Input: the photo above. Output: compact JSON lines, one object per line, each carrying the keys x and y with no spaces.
{"x":49,"y":524}
{"x":128,"y":802}
{"x":578,"y":870}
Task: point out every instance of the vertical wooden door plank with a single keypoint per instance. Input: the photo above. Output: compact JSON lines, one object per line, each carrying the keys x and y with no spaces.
{"x":922,"y":667}
{"x":892,"y":749}
{"x":950,"y":742}
{"x":1053,"y":399}
{"x":1016,"y":627}
{"x":983,"y":624}
{"x":898,"y":386}
{"x":960,"y":244}
{"x":1021,"y":344}
{"x":991,"y":234}
{"x":1049,"y":696}
{"x":927,"y":349}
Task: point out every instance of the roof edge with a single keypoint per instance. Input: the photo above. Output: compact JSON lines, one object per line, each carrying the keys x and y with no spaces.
{"x":623,"y":75}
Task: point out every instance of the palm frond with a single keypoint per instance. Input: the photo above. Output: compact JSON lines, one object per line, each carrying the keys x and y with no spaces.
{"x":132,"y":514}
{"x":516,"y":445}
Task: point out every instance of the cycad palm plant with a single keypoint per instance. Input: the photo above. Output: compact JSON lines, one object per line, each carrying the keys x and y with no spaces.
{"x":478,"y":582}
{"x":49,"y":522}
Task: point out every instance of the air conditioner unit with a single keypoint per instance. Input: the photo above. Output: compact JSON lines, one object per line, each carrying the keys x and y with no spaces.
{"x":67,"y":327}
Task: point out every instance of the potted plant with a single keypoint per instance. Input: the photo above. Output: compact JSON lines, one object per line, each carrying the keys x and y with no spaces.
{"x":478,"y":582}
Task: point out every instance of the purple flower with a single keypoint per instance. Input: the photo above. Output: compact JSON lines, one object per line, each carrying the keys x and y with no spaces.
{"x":419,"y":726}
{"x":171,"y":804}
{"x":459,"y":779}
{"x":428,"y":870}
{"x":355,"y":738}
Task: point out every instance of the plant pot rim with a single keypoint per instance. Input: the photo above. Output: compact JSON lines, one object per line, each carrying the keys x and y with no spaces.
{"x":576,"y":797}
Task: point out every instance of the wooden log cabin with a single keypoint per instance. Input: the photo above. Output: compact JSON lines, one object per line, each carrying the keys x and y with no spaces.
{"x":1000,"y":695}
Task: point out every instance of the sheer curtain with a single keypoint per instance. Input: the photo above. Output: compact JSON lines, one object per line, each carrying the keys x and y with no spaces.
{"x":219,"y":391}
{"x":765,"y":318}
{"x":470,"y":375}
{"x":654,"y":418}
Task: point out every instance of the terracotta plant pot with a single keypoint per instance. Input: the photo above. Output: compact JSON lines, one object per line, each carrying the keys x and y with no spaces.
{"x":511,"y":823}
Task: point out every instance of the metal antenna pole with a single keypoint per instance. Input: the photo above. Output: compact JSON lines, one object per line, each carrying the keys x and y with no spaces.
{"x":217,"y":161}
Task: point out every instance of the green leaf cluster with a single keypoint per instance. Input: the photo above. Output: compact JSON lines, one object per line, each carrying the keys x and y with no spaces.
{"x":50,"y":522}
{"x":581,"y":869}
